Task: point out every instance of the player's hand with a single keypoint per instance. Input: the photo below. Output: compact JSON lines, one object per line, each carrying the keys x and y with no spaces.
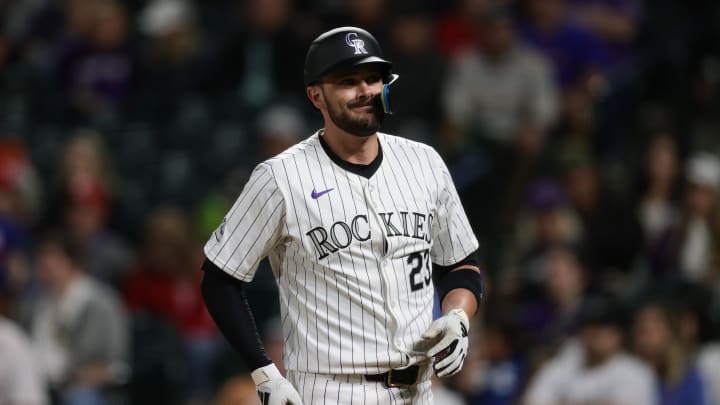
{"x":273,"y":389}
{"x":449,"y":352}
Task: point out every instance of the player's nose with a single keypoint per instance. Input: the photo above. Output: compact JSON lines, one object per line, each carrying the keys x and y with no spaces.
{"x":364,"y":89}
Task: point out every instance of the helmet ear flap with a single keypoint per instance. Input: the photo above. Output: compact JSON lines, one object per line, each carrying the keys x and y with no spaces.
{"x":385,"y":94}
{"x":391,"y":78}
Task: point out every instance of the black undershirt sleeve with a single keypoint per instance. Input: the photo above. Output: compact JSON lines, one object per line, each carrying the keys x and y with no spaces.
{"x":227,"y":304}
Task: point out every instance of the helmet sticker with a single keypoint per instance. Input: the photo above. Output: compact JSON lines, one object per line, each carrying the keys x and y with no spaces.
{"x":353,"y":41}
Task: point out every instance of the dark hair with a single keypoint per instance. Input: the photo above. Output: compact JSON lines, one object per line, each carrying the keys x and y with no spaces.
{"x":64,"y":241}
{"x":603,"y":310}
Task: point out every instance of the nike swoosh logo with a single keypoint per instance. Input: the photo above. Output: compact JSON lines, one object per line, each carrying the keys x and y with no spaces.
{"x":315,"y":195}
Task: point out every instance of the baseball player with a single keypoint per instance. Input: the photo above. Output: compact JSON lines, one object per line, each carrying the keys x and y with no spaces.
{"x":360,"y":228}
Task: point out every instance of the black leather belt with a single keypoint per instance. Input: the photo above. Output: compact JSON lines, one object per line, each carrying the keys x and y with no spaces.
{"x":403,"y":377}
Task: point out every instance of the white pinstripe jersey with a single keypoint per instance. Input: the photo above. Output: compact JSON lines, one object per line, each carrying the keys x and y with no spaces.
{"x":352,"y":255}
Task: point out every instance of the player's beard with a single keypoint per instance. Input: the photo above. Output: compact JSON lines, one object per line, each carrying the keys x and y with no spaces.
{"x":354,"y":123}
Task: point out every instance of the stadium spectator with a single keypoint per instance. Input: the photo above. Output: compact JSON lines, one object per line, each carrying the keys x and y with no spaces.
{"x":545,"y":223}
{"x":610,"y":248}
{"x":259,"y":62}
{"x":552,"y":314}
{"x":656,"y":341}
{"x":84,"y":203}
{"x":459,"y":28}
{"x":615,"y":22}
{"x":174,"y":61}
{"x":496,"y":369}
{"x":708,"y":363}
{"x":279,"y":127}
{"x":20,"y":381}
{"x":416,"y":101}
{"x":371,"y":15}
{"x":694,"y":242}
{"x":499,"y":101}
{"x":79,"y":327}
{"x":19,"y":183}
{"x":577,"y":54}
{"x":500,"y":91}
{"x":163,"y":283}
{"x":97,"y":68}
{"x":106,"y":257}
{"x":597,"y":369}
{"x":658,"y":206}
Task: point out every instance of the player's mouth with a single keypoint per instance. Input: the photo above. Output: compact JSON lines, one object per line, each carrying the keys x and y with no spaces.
{"x":365,"y":106}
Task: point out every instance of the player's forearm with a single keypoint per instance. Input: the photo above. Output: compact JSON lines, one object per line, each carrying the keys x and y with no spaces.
{"x":460,"y":298}
{"x":227,"y":304}
{"x":459,"y":285}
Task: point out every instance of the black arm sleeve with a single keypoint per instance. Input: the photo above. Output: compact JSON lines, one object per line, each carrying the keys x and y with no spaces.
{"x":228,"y":306}
{"x":445,"y":279}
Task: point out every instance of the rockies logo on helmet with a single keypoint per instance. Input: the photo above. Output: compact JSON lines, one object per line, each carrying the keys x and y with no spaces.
{"x":353,"y":41}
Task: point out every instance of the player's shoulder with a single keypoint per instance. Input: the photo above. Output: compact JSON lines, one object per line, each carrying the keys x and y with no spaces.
{"x":404,"y":145}
{"x":399,"y":143}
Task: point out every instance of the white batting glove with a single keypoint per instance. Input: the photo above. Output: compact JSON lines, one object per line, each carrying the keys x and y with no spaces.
{"x":449,"y":352}
{"x":273,"y":389}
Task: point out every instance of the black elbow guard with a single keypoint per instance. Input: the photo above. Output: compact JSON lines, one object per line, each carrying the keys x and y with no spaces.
{"x":469,"y":279}
{"x":447,"y":279}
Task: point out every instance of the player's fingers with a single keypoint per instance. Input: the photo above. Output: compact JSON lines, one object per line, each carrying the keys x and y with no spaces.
{"x":443,"y":347}
{"x":453,"y":365}
{"x":448,"y":357}
{"x":444,"y":361}
{"x":433,"y":331}
{"x":451,"y":370}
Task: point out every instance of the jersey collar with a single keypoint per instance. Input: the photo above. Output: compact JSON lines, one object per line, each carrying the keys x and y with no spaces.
{"x":361,"y":170}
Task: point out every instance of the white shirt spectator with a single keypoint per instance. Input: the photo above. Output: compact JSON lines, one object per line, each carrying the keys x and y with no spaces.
{"x":709,"y":365}
{"x":20,"y":381}
{"x":500,"y":95}
{"x":621,"y":380}
{"x":87,"y":325}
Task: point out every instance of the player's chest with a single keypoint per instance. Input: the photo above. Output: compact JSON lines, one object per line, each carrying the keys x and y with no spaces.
{"x":382,"y":216}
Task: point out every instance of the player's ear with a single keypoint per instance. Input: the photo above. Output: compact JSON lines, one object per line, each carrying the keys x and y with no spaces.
{"x":315,"y":95}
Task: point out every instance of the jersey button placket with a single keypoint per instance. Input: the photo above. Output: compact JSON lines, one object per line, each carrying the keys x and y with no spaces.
{"x":371,"y":198}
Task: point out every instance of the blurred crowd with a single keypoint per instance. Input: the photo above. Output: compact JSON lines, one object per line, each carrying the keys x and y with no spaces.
{"x":583,"y":137}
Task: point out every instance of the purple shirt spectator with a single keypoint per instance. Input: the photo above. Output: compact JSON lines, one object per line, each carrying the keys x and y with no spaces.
{"x":12,"y":239}
{"x":690,"y":390}
{"x":102,"y":75}
{"x":573,"y":50}
{"x":96,"y":68}
{"x":614,"y":21}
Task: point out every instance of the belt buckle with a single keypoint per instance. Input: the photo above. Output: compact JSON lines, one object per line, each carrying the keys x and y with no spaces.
{"x":391,"y":384}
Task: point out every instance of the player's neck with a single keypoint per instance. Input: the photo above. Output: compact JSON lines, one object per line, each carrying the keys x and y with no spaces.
{"x":350,"y":148}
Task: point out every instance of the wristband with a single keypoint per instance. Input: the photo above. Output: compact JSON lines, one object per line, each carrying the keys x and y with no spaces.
{"x":264,"y":374}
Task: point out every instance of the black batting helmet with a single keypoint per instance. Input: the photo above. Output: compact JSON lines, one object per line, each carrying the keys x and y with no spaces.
{"x":342,"y":47}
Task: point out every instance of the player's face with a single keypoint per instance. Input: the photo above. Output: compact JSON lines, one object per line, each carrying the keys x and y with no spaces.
{"x":352,"y":99}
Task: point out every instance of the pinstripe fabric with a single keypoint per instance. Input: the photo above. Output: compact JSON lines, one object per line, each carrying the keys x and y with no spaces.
{"x":340,"y":390}
{"x":351,"y":255}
